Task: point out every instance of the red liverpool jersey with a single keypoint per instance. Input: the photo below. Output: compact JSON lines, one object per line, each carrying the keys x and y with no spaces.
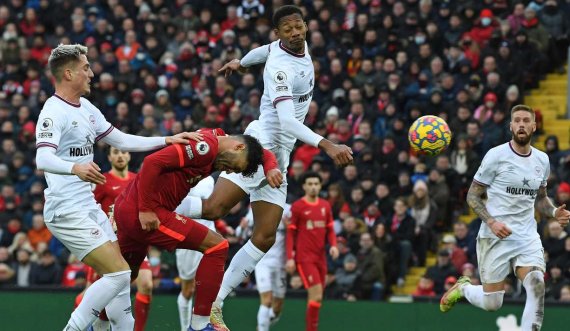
{"x":311,"y":226}
{"x":107,"y":193}
{"x":167,"y":175}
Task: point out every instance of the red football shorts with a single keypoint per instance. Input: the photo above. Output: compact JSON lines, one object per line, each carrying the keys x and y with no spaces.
{"x":312,"y":273}
{"x":175,"y":231}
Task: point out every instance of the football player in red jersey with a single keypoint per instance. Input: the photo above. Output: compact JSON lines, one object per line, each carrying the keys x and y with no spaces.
{"x":144,"y":212}
{"x":105,"y":194}
{"x":310,"y":228}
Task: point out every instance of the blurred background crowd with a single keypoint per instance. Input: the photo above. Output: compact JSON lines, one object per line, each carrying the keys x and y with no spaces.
{"x":379,"y":65}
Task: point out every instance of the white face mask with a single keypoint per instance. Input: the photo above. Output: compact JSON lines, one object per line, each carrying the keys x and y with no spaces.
{"x":485,"y":21}
{"x":154,"y":261}
{"x":420,"y":40}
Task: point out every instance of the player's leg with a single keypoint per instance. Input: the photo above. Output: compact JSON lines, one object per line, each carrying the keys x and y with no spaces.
{"x":143,"y":296}
{"x":180,"y":232}
{"x":266,"y":217}
{"x":279,"y":285}
{"x":311,"y":276}
{"x":264,"y":311}
{"x":184,"y":302}
{"x":85,"y":235}
{"x":263,"y":277}
{"x":187,"y":263}
{"x":493,"y":256}
{"x":529,"y":268}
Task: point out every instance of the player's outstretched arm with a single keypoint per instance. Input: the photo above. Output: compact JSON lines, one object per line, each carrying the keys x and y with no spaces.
{"x":475,"y":200}
{"x":255,"y":56}
{"x":546,"y":208}
{"x":132,"y":143}
{"x":341,"y":154}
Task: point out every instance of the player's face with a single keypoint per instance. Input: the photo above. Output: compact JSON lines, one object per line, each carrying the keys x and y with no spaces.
{"x":81,"y":75}
{"x":119,"y":160}
{"x":312,"y":187}
{"x":522,"y":127}
{"x":292,"y":31}
{"x":233,"y":160}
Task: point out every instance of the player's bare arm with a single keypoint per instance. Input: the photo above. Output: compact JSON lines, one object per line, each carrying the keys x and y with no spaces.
{"x":475,"y":200}
{"x":546,"y":208}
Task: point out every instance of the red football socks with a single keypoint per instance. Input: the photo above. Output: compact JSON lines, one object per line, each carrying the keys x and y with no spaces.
{"x":209,"y":278}
{"x":312,"y":317}
{"x":142,"y":307}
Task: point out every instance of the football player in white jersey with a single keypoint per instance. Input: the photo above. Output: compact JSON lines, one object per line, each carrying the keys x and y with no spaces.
{"x":187,"y":261}
{"x":513,"y":177}
{"x":68,"y":127}
{"x":271,"y":277}
{"x":288,"y":88}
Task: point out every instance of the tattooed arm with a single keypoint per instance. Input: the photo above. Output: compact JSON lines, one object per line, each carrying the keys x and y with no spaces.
{"x":543,"y":204}
{"x":475,"y":201}
{"x":546,"y":208}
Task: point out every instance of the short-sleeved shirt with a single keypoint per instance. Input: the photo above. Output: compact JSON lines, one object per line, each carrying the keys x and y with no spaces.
{"x":72,"y":130}
{"x":512,"y":181}
{"x":287,"y":75}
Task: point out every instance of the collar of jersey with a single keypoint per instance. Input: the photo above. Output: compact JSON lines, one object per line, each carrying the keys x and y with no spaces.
{"x":290,"y":52}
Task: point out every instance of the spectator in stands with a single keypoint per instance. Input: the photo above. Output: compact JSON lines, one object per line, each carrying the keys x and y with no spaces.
{"x":554,"y":243}
{"x":23,"y":267}
{"x":424,"y":211}
{"x":425,"y":287}
{"x":555,"y":282}
{"x":345,"y":277}
{"x":351,"y":230}
{"x":371,"y":276}
{"x":464,"y":239}
{"x":456,"y":254}
{"x":47,"y":271}
{"x":39,"y":232}
{"x":441,"y":270}
{"x":402,"y":227}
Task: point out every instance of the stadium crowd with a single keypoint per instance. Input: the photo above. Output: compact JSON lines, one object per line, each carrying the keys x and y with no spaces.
{"x":379,"y":65}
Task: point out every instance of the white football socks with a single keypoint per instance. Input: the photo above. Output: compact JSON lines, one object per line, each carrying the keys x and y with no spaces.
{"x":489,"y":301}
{"x":534,"y":306}
{"x":97,"y":297}
{"x":241,"y":266}
{"x":184,"y":311}
{"x":263,"y":318}
{"x":119,"y":311}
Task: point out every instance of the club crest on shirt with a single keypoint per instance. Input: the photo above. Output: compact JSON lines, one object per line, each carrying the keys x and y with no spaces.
{"x":47,"y":124}
{"x":280,"y":77}
{"x":202,"y":148}
{"x":537,"y":170}
{"x":92,"y":119}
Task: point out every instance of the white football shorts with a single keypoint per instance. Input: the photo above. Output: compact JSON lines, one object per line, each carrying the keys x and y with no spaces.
{"x":82,"y":231}
{"x":270,"y":278}
{"x":498,"y":257}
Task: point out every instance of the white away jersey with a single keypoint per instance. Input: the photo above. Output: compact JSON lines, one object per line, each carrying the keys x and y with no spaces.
{"x":71,"y":130}
{"x":512,"y":182}
{"x":276,"y":256}
{"x":286,"y":76}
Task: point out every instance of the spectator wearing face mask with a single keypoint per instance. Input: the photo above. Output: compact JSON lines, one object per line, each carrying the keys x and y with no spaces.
{"x":484,"y":27}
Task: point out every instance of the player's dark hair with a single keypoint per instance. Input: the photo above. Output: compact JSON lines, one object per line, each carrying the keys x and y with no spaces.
{"x":285,"y":11}
{"x":254,"y":155}
{"x":310,"y":174}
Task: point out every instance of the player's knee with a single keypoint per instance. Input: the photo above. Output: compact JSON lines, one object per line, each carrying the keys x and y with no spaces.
{"x":263,"y":241}
{"x":534,"y":283}
{"x":493,"y":301}
{"x":213,"y":210}
{"x":221,"y":248}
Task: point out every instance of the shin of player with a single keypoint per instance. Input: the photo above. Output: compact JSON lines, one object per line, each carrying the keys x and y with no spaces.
{"x":187,"y":261}
{"x":311,"y":227}
{"x":514,"y":177}
{"x":271,"y":278}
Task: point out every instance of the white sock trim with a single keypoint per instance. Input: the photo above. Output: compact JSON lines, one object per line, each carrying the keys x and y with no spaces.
{"x":253,"y":251}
